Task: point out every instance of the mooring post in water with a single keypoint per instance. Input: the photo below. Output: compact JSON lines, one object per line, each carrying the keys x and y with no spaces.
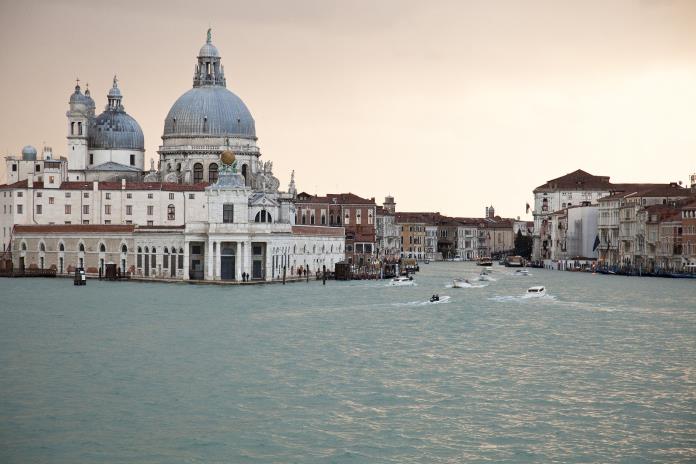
{"x":323,"y":278}
{"x":283,"y":275}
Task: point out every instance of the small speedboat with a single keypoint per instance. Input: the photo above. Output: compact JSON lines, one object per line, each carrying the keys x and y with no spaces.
{"x":484,"y":277}
{"x":461,"y":283}
{"x":402,"y":281}
{"x":435,"y":299}
{"x":538,"y":290}
{"x":489,"y":269}
{"x":522,"y":272}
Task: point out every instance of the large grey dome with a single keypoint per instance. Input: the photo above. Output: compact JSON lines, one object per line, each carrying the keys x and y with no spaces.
{"x":115,"y":130}
{"x":209,"y":110}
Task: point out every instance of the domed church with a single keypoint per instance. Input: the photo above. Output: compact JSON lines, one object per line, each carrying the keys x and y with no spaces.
{"x":203,"y":123}
{"x":105,"y":147}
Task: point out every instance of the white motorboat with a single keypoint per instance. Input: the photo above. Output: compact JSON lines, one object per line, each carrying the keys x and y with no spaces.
{"x":461,"y":283}
{"x":401,"y":281}
{"x":484,"y":277}
{"x":536,"y":291}
{"x":522,"y":272}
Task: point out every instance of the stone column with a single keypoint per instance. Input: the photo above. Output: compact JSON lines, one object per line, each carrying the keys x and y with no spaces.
{"x":209,"y":260}
{"x":269,"y":262}
{"x":187,"y":265}
{"x":218,"y":261}
{"x":238,"y":262}
{"x":247,"y":257}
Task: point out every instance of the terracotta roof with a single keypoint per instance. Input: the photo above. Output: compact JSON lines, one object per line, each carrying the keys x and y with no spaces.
{"x":318,"y":230}
{"x":349,"y":199}
{"x":647,"y":190}
{"x":73,"y":228}
{"x":577,"y":180}
{"x":418,"y":217}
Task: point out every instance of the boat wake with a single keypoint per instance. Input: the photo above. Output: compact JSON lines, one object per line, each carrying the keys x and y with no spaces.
{"x":443,"y":300}
{"x":522,"y":298}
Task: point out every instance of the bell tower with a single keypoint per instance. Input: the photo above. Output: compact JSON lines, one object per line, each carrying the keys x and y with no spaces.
{"x":80,"y":112}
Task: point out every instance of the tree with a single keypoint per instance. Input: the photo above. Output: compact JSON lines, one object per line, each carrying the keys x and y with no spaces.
{"x":523,"y":245}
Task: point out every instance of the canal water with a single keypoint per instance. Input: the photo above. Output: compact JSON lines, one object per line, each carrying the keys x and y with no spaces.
{"x":602,"y":369}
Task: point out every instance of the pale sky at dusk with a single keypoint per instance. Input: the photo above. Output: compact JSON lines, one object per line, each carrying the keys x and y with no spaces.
{"x":448,"y":106}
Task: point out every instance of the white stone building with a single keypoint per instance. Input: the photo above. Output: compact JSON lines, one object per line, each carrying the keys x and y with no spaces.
{"x":230,"y":223}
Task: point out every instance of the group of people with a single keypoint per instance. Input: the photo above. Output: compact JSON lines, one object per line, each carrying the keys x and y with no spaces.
{"x":435,"y":297}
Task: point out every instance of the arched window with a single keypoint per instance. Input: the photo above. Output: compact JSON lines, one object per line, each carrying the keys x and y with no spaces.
{"x":304,"y":218}
{"x":153,"y":260}
{"x":82,"y":247}
{"x":79,"y":128}
{"x":140,"y":257}
{"x":197,"y":173}
{"x":545,"y":204}
{"x":178,"y":167}
{"x":165,"y":258}
{"x":102,"y":248}
{"x":323,"y":219}
{"x":171,"y":212}
{"x":311,"y":219}
{"x":166,"y":250}
{"x":331,"y":219}
{"x":213,"y":173}
{"x":244,"y":174}
{"x":263,"y":216}
{"x":124,"y":248}
{"x":42,"y":247}
{"x":61,"y":247}
{"x":174,"y":124}
{"x":72,"y":128}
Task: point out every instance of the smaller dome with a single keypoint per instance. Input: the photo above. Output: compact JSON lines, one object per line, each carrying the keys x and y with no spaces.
{"x":29,"y":153}
{"x":209,"y":50}
{"x":77,"y":96}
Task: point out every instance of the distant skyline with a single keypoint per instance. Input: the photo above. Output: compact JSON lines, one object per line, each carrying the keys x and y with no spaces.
{"x":448,"y":106}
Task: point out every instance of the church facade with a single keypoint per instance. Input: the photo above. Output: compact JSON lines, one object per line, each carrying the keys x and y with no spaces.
{"x":212,"y":211}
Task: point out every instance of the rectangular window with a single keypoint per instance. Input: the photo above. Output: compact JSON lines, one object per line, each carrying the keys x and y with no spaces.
{"x":129,"y":195}
{"x":227,"y":213}
{"x":20,"y":209}
{"x":171,"y":196}
{"x":149,"y":196}
{"x":107,"y":221}
{"x":85,"y":209}
{"x":38,"y":209}
{"x":67,"y":194}
{"x":192,"y":196}
{"x":91,"y":158}
{"x":68,"y":209}
{"x":85,"y":221}
{"x":129,"y":222}
{"x":150,"y":210}
{"x":38,"y":168}
{"x":132,"y":160}
{"x":150,"y":223}
{"x":107,"y":209}
{"x":85,"y":195}
{"x":129,"y":210}
{"x":39,"y":194}
{"x":68,"y":222}
{"x":19,"y":194}
{"x":51,"y":179}
{"x":14,"y":168}
{"x":50,"y":200}
{"x":108,"y":195}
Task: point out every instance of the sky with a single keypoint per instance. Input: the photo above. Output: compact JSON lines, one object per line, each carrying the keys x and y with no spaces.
{"x":449,"y":106}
